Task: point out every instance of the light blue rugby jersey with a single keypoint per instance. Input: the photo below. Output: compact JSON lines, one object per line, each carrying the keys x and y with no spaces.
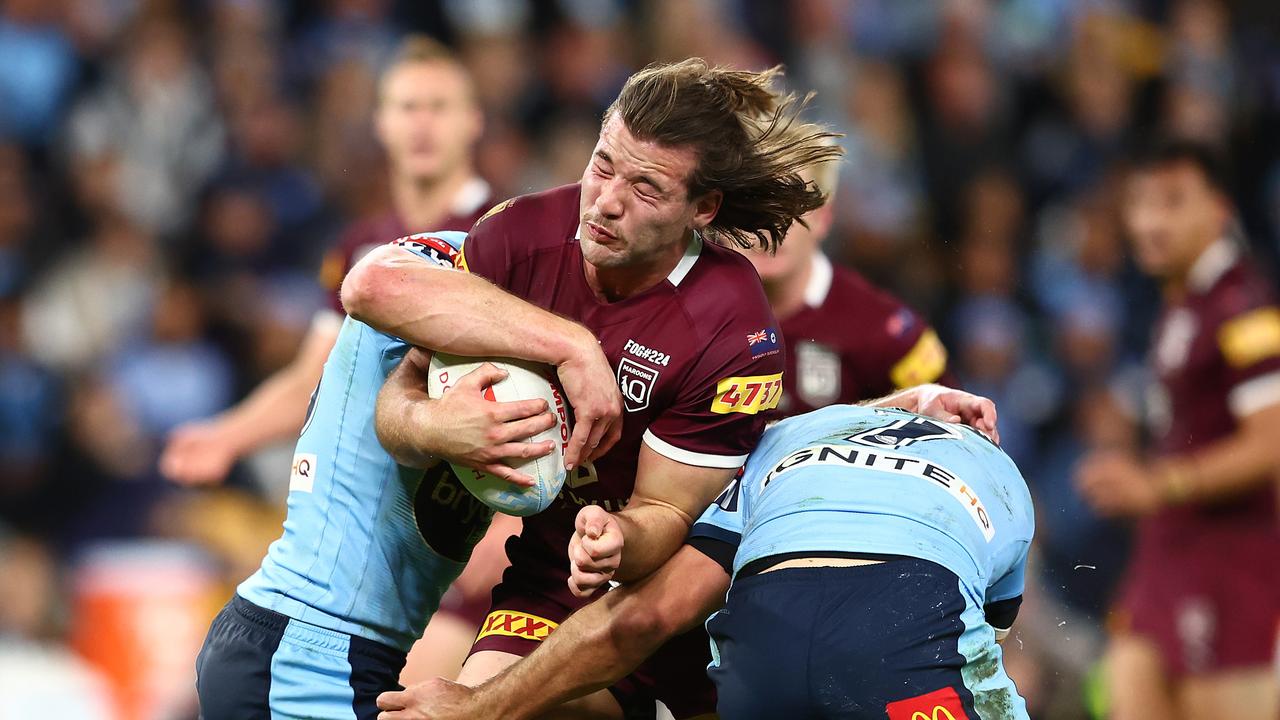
{"x":352,"y":558}
{"x":868,"y":480}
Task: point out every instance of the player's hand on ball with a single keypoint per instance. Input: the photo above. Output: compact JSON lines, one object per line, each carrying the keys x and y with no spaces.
{"x":593,"y":393}
{"x":1115,"y":484}
{"x":480,"y":433}
{"x":437,"y":699}
{"x":955,"y":406}
{"x":198,"y":453}
{"x":595,"y":550}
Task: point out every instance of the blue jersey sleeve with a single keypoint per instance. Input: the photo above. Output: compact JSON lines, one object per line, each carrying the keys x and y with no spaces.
{"x":1010,"y":585}
{"x":718,"y":532}
{"x":438,"y":248}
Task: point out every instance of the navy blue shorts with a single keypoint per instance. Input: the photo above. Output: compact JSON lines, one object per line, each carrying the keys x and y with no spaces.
{"x":875,"y":641}
{"x":256,"y":663}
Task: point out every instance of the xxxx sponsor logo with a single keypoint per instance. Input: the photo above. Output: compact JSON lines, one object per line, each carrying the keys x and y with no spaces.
{"x":517,"y":625}
{"x":941,"y":704}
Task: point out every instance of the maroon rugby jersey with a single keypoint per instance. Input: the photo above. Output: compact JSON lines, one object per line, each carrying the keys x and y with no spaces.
{"x":364,"y":235}
{"x":697,"y":356}
{"x":852,"y":341}
{"x":1216,"y":355}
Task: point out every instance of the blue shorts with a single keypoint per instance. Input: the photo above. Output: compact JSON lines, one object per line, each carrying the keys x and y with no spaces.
{"x":897,"y":640}
{"x":257,"y":663}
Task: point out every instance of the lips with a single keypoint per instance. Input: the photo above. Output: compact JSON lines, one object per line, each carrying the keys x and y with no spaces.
{"x":599,"y":234}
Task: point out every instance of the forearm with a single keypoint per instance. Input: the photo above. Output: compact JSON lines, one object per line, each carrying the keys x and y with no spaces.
{"x":275,"y":410}
{"x":454,"y":312}
{"x":401,"y":414}
{"x":653,"y":532}
{"x":604,"y":641}
{"x":1230,"y":466}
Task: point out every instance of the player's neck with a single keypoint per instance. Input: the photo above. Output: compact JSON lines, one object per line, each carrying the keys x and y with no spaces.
{"x":612,"y":284}
{"x":422,"y":204}
{"x":786,"y":293}
{"x":1177,"y":284}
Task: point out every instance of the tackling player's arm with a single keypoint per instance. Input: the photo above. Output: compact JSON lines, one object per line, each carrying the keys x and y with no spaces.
{"x":400,"y":294}
{"x":668,"y":497}
{"x":594,"y":648}
{"x":462,"y":427}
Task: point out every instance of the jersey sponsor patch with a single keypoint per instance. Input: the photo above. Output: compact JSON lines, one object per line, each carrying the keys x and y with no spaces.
{"x":431,"y":248}
{"x":941,"y":704}
{"x":764,"y":342}
{"x":818,"y":373}
{"x":748,"y":395}
{"x":924,"y":362}
{"x":850,"y":457}
{"x":1251,"y":337}
{"x":302,"y":477}
{"x":509,"y":623}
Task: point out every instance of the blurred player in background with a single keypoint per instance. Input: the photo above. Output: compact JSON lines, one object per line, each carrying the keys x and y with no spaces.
{"x":1195,"y":624}
{"x":846,"y":339}
{"x":876,"y":558}
{"x":428,"y":121}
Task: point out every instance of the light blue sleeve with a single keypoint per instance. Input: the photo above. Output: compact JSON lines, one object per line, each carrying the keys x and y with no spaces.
{"x":1012,"y":583}
{"x":723,"y":519}
{"x":439,"y":248}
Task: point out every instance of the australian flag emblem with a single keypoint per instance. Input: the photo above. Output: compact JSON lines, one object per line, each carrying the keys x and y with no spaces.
{"x":763,"y":342}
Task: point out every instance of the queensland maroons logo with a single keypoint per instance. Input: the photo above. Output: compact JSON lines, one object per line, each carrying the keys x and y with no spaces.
{"x":636,"y":383}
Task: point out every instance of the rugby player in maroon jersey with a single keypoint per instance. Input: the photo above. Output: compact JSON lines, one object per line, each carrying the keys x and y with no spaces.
{"x":846,"y":340}
{"x":662,"y":338}
{"x":428,"y":122}
{"x":1196,"y":619}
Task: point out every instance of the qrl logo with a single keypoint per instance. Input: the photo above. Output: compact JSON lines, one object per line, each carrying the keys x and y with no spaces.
{"x":636,"y":383}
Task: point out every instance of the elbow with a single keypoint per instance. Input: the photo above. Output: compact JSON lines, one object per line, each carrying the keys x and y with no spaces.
{"x":360,"y":289}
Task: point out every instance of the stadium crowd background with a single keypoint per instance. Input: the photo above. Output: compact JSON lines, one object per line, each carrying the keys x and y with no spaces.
{"x":171,"y":174}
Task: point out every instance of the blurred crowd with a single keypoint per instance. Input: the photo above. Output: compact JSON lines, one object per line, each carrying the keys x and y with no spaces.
{"x":172,"y":172}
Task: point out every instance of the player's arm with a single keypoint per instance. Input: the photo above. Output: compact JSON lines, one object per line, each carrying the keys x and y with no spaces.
{"x":203,"y":452}
{"x":945,"y":404}
{"x":461,"y":427}
{"x":667,"y":498}
{"x":594,"y":648}
{"x":400,"y":294}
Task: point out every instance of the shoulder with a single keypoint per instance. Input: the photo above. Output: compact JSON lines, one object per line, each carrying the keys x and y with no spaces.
{"x":853,"y":293}
{"x":1241,"y":288}
{"x":722,"y":291}
{"x":553,"y":212}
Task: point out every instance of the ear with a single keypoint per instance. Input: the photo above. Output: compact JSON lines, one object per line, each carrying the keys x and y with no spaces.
{"x":821,"y":220}
{"x":705,"y":208}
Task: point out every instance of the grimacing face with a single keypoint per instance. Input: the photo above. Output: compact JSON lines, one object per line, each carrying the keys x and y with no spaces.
{"x":635,"y":205}
{"x":427,"y":118}
{"x":1171,"y":213}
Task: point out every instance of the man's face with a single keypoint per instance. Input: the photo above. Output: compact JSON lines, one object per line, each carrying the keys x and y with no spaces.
{"x":635,"y":199}
{"x":427,"y":119}
{"x":1172,"y":213}
{"x":796,"y":250}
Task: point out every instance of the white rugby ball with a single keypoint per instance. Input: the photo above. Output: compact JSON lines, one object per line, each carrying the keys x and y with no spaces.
{"x":524,"y":381}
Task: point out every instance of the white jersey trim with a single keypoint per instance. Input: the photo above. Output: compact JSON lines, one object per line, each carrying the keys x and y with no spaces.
{"x":688,"y":457}
{"x":1213,"y":263}
{"x":820,"y":276}
{"x":683,"y":267}
{"x":1253,"y":395}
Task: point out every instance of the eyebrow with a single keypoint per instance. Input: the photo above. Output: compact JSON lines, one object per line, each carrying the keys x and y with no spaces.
{"x":635,"y":178}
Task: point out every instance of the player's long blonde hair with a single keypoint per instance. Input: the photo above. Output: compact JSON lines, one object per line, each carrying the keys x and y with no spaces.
{"x":751,"y":143}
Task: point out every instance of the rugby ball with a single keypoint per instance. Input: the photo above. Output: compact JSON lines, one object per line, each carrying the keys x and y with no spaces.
{"x":524,"y":381}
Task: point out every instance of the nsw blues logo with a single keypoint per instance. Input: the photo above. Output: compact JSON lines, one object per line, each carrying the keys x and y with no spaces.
{"x":904,"y":432}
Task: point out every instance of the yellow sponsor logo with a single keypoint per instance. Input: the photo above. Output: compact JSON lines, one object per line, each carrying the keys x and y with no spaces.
{"x":461,"y":261}
{"x":495,"y":210}
{"x":747,"y":395}
{"x":332,"y":270}
{"x":508,"y":623}
{"x":1253,"y":336}
{"x":924,"y":362}
{"x":938,"y":713}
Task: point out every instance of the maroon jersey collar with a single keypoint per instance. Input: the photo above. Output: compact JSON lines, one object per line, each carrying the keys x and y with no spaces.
{"x":820,"y":276}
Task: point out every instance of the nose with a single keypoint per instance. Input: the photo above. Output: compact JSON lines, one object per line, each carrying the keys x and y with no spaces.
{"x":609,"y":203}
